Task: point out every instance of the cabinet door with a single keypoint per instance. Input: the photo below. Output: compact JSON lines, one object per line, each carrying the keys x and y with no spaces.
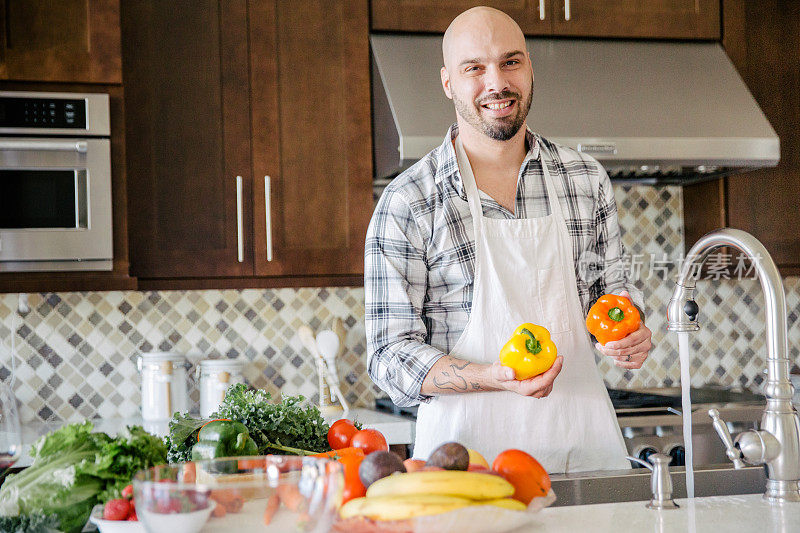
{"x":188,"y":138}
{"x":65,"y":40}
{"x":533,"y":16}
{"x":763,"y":41}
{"x":663,"y":19}
{"x":311,"y":135}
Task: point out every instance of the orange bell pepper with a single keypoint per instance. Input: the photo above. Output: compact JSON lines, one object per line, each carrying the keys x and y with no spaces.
{"x":529,"y":351}
{"x":612,"y":318}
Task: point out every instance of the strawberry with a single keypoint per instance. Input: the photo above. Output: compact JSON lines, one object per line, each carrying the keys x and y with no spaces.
{"x":118,"y":509}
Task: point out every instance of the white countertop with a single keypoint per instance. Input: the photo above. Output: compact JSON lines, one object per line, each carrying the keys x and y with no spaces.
{"x":397,"y":430}
{"x":716,"y":514}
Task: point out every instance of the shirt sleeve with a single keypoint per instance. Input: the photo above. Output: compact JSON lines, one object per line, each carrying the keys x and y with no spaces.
{"x":614,"y":274}
{"x":395,"y":284}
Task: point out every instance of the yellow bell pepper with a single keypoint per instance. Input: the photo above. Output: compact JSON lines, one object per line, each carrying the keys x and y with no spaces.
{"x":529,"y":351}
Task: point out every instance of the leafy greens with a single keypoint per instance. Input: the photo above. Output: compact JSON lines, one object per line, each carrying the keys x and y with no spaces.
{"x":34,"y":523}
{"x":291,"y":426}
{"x":73,"y":469}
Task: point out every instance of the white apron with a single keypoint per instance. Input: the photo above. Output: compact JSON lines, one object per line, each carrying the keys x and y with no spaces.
{"x":524,"y":272}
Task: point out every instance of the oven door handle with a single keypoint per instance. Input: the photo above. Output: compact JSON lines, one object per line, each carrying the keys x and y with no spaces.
{"x":48,"y":146}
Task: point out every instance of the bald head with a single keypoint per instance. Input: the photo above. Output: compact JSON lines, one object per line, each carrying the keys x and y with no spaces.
{"x":487,"y":73}
{"x":477,"y":29}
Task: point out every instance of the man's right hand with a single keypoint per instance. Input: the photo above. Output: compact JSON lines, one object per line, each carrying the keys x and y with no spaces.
{"x":537,"y":386}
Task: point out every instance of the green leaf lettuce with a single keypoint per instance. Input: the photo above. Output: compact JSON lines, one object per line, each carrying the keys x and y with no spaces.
{"x":73,"y":469}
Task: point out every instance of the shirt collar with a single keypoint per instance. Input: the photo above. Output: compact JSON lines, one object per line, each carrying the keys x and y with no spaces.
{"x":448,"y":167}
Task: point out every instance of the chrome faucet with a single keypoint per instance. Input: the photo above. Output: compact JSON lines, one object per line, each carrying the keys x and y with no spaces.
{"x":777,"y":443}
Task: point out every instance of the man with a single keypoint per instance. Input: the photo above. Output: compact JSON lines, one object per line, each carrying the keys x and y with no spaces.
{"x":484,"y":233}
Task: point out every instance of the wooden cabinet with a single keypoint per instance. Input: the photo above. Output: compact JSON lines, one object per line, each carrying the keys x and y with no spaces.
{"x":312,"y":149}
{"x":188,"y":138}
{"x":221,"y":96}
{"x":762,"y":39}
{"x":533,"y":16}
{"x":66,"y":41}
{"x":654,"y":19}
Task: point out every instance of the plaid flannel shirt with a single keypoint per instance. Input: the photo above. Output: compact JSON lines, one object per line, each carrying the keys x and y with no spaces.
{"x":420,"y":254}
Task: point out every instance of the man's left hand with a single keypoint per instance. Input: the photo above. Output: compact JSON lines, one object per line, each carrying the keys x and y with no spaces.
{"x":631,"y":351}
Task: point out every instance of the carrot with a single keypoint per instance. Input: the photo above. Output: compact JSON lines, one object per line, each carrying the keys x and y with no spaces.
{"x":335,"y":454}
{"x":219,"y":511}
{"x":230,"y":499}
{"x":234,"y":506}
{"x":189,"y":473}
{"x":290,"y":496}
{"x":272,"y":507}
{"x":250,"y":464}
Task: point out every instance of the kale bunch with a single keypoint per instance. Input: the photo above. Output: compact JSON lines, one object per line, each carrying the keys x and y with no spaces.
{"x":292,"y":426}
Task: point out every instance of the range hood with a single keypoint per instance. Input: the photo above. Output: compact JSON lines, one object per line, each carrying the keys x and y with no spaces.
{"x":653,"y":112}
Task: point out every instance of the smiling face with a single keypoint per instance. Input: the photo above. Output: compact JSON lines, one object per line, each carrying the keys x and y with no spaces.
{"x":487,"y":72}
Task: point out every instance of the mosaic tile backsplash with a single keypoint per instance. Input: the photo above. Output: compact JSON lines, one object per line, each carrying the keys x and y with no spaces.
{"x":75,"y":353}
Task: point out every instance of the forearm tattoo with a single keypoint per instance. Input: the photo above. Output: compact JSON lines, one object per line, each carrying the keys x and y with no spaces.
{"x":453,"y":379}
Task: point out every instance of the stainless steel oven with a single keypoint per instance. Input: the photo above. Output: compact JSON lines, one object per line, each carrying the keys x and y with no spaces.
{"x":55,"y":182}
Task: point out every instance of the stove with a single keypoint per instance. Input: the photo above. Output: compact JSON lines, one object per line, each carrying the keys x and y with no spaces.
{"x":650,"y":420}
{"x":629,"y":401}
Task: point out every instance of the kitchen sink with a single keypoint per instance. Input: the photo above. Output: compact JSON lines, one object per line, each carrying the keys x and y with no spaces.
{"x":608,"y":486}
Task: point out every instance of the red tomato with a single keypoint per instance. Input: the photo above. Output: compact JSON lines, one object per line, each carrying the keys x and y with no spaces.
{"x":369,"y":440}
{"x":340,"y":433}
{"x":529,"y":478}
{"x":353,"y":488}
{"x":118,"y":509}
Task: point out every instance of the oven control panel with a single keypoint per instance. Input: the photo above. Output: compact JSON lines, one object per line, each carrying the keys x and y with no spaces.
{"x":45,"y":113}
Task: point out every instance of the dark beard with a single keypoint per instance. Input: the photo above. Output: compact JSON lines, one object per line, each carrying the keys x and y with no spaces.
{"x":502,"y":130}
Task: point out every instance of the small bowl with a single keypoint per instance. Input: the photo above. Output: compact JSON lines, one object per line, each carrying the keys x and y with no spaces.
{"x":114,"y":526}
{"x":271,"y":493}
{"x":188,"y":522}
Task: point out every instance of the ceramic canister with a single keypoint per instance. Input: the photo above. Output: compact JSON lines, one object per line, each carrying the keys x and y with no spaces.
{"x":216,"y":375}
{"x":164,"y":389}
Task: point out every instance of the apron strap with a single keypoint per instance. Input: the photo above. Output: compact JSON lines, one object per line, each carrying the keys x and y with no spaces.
{"x":469,"y":184}
{"x":552,"y":197}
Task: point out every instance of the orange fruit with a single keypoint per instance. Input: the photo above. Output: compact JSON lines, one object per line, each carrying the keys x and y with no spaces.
{"x":529,"y":478}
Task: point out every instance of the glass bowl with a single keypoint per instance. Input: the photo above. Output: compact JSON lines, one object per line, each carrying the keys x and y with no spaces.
{"x":269,"y":493}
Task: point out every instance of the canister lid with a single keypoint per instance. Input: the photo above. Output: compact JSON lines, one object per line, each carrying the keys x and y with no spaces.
{"x":221,"y":364}
{"x":158,"y":357}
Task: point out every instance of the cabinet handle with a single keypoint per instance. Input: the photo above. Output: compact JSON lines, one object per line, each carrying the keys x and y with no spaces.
{"x":239,"y":220}
{"x":268,"y":217}
{"x":566,"y":9}
{"x":541,"y":9}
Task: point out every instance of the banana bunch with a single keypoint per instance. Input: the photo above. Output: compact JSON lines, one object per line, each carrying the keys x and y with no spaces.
{"x":408,"y":495}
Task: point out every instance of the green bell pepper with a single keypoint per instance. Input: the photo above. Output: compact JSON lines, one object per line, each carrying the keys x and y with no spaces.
{"x":223,"y":438}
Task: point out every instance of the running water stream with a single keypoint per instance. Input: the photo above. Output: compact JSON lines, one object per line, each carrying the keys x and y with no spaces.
{"x":686,"y":409}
